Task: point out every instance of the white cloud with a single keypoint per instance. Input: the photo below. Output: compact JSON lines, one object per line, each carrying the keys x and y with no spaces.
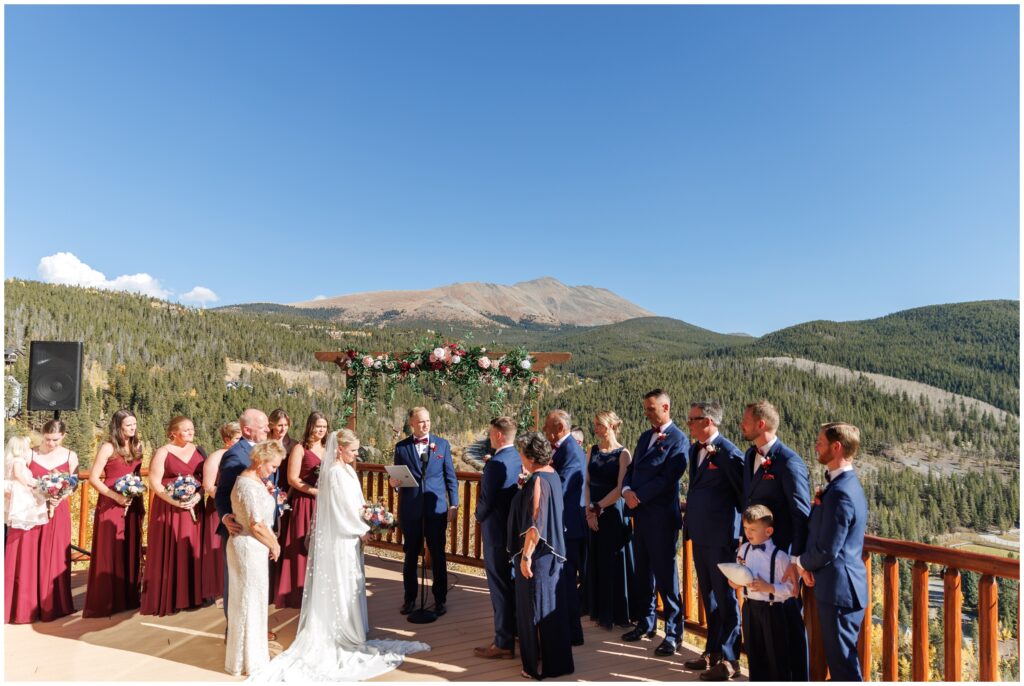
{"x":320,"y":297}
{"x":65,"y":268}
{"x":199,"y":294}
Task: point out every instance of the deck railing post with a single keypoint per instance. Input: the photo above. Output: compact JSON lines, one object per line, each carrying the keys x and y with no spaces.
{"x":952,"y":602}
{"x":919,"y":609}
{"x":988,"y":629}
{"x":890,"y":617}
{"x":864,"y":640}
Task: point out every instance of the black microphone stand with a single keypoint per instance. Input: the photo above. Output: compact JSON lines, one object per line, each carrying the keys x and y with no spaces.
{"x":422,"y":615}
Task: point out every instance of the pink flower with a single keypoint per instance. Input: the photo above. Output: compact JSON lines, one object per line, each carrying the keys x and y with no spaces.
{"x":504,"y":369}
{"x":483,"y":363}
{"x":367,"y":361}
{"x":439,"y":353}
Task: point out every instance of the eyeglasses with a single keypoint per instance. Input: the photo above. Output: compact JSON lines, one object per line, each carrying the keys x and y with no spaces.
{"x":691,"y":420}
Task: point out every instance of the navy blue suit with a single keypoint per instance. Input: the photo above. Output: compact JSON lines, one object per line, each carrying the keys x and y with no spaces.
{"x":423,"y":511}
{"x":493,"y":504}
{"x":783,"y":487}
{"x":653,"y":476}
{"x":234,"y":462}
{"x":835,"y":544}
{"x":713,"y":525}
{"x":570,"y":462}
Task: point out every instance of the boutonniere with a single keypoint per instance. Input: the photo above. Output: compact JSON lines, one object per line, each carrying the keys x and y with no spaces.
{"x":433,"y":448}
{"x":523,"y":478}
{"x":710,"y":449}
{"x":487,"y":457}
{"x":818,"y":492}
{"x":660,"y":437}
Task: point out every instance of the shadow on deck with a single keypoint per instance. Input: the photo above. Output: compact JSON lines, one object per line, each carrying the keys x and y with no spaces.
{"x":189,"y":646}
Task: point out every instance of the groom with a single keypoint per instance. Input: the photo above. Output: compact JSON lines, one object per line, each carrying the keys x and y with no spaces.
{"x":425,"y":511}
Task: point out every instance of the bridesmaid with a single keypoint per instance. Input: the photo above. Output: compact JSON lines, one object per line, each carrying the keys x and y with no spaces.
{"x":173,"y":576}
{"x":303,"y":466}
{"x":280,"y":422}
{"x":610,"y":569}
{"x":213,"y":545}
{"x":116,"y":534}
{"x":37,"y":563}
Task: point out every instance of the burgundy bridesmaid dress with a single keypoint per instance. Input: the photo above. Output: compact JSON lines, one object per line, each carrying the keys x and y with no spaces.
{"x":213,"y":553}
{"x":37,"y":565}
{"x":116,"y":548}
{"x":291,"y":565}
{"x":172,"y":579}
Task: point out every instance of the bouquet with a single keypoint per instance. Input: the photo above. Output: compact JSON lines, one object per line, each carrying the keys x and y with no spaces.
{"x":378,"y":517}
{"x":56,"y":486}
{"x":183,"y":490}
{"x":130,"y":486}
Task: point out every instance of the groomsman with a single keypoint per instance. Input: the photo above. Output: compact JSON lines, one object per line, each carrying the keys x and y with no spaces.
{"x":569,"y":461}
{"x":775,"y":476}
{"x":426,"y":510}
{"x":651,"y":491}
{"x":494,"y":501}
{"x":832,"y":561}
{"x":712,"y":522}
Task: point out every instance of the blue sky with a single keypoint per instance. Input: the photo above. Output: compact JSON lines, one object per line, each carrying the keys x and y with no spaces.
{"x":741,"y":168}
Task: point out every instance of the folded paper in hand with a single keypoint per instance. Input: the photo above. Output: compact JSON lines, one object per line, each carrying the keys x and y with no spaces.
{"x":736,"y":573}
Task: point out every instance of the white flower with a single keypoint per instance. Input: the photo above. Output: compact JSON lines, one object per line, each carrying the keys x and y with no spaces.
{"x":367,"y":361}
{"x":483,"y":350}
{"x":483,"y":363}
{"x":525,"y":364}
{"x":456,"y":359}
{"x":414,"y":364}
{"x":376,"y":365}
{"x":439,"y":353}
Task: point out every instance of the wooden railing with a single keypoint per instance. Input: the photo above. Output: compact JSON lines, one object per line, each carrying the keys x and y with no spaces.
{"x":465,"y":547}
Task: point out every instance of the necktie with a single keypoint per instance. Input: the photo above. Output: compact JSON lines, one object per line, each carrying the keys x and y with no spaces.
{"x":759,"y":546}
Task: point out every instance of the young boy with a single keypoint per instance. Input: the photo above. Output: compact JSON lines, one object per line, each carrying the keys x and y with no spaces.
{"x":764,"y":618}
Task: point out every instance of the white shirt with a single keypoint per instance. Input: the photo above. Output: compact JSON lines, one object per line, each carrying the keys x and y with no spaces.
{"x":833,"y":473}
{"x":558,"y":444}
{"x":704,"y":448}
{"x":758,"y":458}
{"x":759,"y":564}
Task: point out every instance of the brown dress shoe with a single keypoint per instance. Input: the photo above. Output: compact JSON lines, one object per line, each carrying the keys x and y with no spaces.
{"x":493,"y":652}
{"x":723,"y":671}
{"x":699,"y":664}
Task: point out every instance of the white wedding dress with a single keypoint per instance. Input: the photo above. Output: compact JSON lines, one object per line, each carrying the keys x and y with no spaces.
{"x":331,"y":641}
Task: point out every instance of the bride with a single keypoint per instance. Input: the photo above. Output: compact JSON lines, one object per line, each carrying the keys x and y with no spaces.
{"x":331,"y":641}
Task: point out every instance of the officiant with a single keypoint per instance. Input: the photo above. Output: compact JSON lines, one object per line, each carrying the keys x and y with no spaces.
{"x":425,"y":511}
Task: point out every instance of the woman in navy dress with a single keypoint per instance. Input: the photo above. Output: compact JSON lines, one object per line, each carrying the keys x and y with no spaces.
{"x":610,"y":569}
{"x":537,"y":548}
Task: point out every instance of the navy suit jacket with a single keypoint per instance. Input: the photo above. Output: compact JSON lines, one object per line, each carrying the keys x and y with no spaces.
{"x":438,"y":487}
{"x":784,"y":488}
{"x":835,"y":543}
{"x":569,"y":461}
{"x":494,"y":500}
{"x":234,"y":462}
{"x":715,"y":495}
{"x":654,"y":476}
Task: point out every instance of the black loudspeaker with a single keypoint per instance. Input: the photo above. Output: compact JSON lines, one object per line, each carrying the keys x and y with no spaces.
{"x":54,"y":375}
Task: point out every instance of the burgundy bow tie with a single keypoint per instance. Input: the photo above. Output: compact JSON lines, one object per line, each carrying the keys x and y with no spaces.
{"x":420,"y":441}
{"x":762,"y":454}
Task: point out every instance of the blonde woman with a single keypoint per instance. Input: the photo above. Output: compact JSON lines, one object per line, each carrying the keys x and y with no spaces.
{"x":610,"y":569}
{"x":331,"y":641}
{"x":248,"y":572}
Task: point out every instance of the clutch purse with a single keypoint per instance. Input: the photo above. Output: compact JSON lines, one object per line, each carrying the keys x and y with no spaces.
{"x":736,"y":573}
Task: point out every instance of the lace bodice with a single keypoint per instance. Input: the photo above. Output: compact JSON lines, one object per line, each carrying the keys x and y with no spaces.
{"x":251,"y":501}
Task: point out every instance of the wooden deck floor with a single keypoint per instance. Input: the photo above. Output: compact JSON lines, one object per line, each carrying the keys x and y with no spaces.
{"x":189,"y":646}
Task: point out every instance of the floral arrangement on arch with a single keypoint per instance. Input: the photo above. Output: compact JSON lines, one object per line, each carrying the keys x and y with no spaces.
{"x":467,"y":369}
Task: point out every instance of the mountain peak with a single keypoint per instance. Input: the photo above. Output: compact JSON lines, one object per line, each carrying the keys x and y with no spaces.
{"x":543,"y":301}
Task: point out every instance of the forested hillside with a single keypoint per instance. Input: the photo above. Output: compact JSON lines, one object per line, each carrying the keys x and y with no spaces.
{"x":161,"y":359}
{"x":968,"y":348}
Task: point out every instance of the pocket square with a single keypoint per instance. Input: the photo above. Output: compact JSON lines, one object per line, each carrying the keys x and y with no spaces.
{"x":768,"y":477}
{"x":711,"y":465}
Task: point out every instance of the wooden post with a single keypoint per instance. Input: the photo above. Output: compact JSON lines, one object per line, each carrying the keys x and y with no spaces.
{"x":919,"y":605}
{"x":952,"y":602}
{"x":690,"y":611}
{"x":466,"y":519}
{"x":815,"y":648}
{"x":864,"y":640}
{"x":988,"y":629}
{"x":83,"y":515}
{"x":890,"y":617}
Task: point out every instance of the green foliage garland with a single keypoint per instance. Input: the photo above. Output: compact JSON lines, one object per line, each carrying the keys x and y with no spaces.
{"x":374,"y":377}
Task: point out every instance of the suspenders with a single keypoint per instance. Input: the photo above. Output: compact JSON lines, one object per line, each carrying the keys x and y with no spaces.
{"x":771,"y":573}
